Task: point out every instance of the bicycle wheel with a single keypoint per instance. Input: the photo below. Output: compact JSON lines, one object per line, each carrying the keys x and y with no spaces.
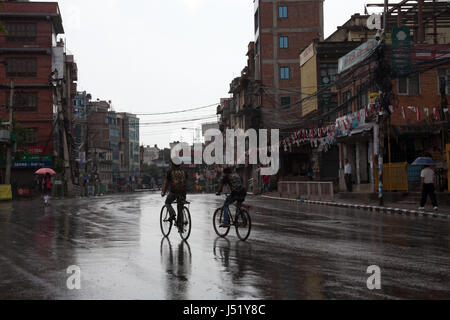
{"x":243,"y":225}
{"x":217,"y":221}
{"x":165,"y":222}
{"x":185,"y":232}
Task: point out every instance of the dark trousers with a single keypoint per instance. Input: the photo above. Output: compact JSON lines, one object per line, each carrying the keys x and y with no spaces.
{"x":238,"y":197}
{"x":428,"y":190}
{"x":349,"y":182}
{"x":180,"y":198}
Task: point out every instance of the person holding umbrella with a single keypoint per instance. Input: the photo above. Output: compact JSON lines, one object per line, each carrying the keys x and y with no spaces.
{"x":47,"y":184}
{"x":427,"y":182}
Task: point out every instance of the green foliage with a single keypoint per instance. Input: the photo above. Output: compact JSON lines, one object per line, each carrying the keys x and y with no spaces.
{"x":21,"y":134}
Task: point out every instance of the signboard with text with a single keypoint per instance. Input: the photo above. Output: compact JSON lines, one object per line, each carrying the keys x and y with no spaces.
{"x":401,"y":51}
{"x":358,"y":55}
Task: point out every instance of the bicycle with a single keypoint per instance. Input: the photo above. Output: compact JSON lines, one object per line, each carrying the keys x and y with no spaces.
{"x":166,"y":222}
{"x":241,"y":221}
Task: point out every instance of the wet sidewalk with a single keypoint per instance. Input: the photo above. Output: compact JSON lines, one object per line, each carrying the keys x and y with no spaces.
{"x":407,"y":206}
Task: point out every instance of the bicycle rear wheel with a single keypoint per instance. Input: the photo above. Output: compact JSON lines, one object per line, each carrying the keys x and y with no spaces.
{"x":165,"y":222}
{"x":217,"y":221}
{"x":243,"y":225}
{"x":185,"y":230}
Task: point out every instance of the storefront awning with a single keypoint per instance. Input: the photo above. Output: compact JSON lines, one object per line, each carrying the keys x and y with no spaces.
{"x":366,"y":127}
{"x":361,"y":133}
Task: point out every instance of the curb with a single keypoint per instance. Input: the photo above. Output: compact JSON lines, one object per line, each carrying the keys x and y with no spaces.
{"x":370,"y":208}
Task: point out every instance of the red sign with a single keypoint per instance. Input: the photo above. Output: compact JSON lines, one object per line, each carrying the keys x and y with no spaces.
{"x":23,"y":192}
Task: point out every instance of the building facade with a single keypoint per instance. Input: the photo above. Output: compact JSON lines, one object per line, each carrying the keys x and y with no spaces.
{"x":29,"y":59}
{"x":282,"y":30}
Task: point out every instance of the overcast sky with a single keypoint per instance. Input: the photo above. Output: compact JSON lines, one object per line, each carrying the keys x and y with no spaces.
{"x":152,"y":56}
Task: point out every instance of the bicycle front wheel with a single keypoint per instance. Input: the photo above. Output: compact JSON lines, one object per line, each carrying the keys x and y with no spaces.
{"x":243,"y":225}
{"x":165,"y":221}
{"x":217,"y":221}
{"x":185,"y":229}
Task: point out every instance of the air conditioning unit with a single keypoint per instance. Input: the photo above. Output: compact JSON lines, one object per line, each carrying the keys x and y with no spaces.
{"x":4,"y":136}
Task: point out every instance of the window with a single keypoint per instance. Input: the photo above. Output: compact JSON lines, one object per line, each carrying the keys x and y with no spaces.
{"x":285,"y":101}
{"x":31,"y":136}
{"x":346,"y":100}
{"x":444,"y":80}
{"x":19,"y":32}
{"x":284,"y":73}
{"x":328,"y":72}
{"x":363,"y":96}
{"x":409,"y":86}
{"x":282,"y":12}
{"x":25,"y":101}
{"x":21,"y":67}
{"x":114,"y":133}
{"x":284,"y":42}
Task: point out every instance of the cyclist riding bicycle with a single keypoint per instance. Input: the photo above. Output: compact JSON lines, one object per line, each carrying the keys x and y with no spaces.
{"x":238,"y":193}
{"x":176,"y":184}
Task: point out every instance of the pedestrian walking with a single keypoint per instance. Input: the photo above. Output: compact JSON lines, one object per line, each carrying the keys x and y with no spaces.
{"x":348,"y":176}
{"x":47,"y":189}
{"x":310,"y":173}
{"x":266,"y":184}
{"x":428,"y":189}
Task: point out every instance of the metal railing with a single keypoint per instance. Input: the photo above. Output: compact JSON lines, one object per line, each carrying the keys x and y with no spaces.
{"x":311,"y":190}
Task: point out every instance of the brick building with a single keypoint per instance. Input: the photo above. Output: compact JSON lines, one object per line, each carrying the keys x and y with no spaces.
{"x":113,"y":144}
{"x":417,"y":53}
{"x":318,"y":69}
{"x":282,"y":30}
{"x":28,"y":58}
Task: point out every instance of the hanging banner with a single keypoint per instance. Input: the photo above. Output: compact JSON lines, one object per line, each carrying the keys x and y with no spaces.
{"x":358,"y":55}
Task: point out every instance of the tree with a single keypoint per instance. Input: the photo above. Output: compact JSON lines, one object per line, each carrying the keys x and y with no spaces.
{"x":150,"y":172}
{"x":20,"y":136}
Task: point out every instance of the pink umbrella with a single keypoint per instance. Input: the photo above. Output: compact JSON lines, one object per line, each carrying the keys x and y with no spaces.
{"x":44,"y":171}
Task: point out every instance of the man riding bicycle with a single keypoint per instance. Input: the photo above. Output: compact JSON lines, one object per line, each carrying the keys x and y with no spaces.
{"x":176,"y":184}
{"x":238,"y":193}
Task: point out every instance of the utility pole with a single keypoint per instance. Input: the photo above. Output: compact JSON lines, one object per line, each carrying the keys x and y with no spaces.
{"x":383,"y":100}
{"x":61,"y":117}
{"x":11,"y":128}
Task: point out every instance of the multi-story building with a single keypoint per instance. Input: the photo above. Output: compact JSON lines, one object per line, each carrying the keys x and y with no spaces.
{"x":101,"y":145}
{"x":130,"y":172}
{"x":319,"y":69}
{"x":79,"y":131}
{"x":416,"y":56}
{"x":28,"y":59}
{"x":150,"y":154}
{"x":282,"y":30}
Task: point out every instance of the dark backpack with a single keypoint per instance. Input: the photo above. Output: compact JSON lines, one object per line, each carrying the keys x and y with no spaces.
{"x":178,"y":181}
{"x":235,"y":183}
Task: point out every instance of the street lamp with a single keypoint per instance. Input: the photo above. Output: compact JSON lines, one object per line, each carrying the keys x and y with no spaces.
{"x":193,"y":133}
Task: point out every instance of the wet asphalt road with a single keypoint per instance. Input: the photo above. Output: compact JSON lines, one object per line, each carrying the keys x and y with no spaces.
{"x":295,"y":251}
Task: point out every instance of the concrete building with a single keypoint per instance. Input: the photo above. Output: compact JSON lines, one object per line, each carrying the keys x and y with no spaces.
{"x":319,"y":69}
{"x":101,"y":146}
{"x":150,"y":154}
{"x":131,"y":170}
{"x":418,"y":123}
